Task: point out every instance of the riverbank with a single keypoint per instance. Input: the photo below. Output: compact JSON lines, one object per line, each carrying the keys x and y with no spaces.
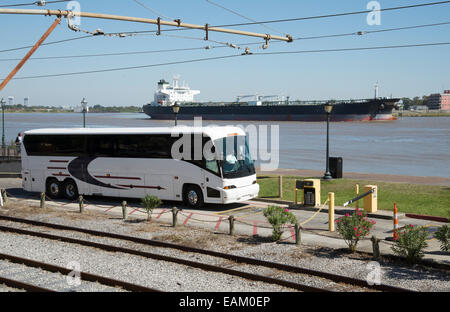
{"x":421,"y":114}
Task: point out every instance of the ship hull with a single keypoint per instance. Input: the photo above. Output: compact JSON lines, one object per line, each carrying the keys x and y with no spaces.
{"x":368,"y":110}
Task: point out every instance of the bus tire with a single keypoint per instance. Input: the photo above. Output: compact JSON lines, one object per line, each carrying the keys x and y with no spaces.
{"x":193,"y":196}
{"x":53,"y":188}
{"x":70,"y":189}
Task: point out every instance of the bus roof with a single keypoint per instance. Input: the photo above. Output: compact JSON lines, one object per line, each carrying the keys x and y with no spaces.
{"x":214,"y":132}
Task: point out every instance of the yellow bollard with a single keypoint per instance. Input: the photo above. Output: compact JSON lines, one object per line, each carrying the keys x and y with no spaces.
{"x":331,"y":212}
{"x":280,"y":186}
{"x":371,"y":200}
{"x":357,"y":193}
{"x":295,"y":193}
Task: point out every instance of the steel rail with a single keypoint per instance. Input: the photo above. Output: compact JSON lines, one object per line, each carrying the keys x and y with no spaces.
{"x":22,"y":285}
{"x":159,"y":22}
{"x":238,"y":259}
{"x":199,"y":265}
{"x":83,"y":275}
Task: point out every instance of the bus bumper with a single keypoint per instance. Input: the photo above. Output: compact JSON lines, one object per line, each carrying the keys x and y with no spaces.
{"x":240,"y":194}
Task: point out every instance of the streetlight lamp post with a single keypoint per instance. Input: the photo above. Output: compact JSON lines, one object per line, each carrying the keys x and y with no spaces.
{"x":328,"y":108}
{"x":84,"y":108}
{"x":3,"y":102}
{"x":176,"y":109}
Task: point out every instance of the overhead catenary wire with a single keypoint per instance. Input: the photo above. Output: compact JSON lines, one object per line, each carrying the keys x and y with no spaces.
{"x":223,"y":45}
{"x":40,"y":3}
{"x":115,"y":54}
{"x":336,"y":14}
{"x":151,"y":10}
{"x":47,"y":43}
{"x":233,"y":56}
{"x":243,"y":16}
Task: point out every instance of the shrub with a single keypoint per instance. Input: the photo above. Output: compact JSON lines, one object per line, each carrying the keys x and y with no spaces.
{"x":443,"y":235}
{"x":411,"y":242}
{"x":278,"y":217}
{"x":150,"y":202}
{"x":354,"y":227}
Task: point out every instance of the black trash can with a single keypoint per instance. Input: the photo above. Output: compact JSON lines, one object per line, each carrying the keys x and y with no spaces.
{"x":336,"y":167}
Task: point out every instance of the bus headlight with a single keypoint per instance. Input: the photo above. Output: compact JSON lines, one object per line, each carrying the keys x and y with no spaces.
{"x":229,"y":187}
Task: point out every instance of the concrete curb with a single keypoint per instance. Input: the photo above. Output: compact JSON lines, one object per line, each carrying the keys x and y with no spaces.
{"x":426,"y":217}
{"x":338,"y":210}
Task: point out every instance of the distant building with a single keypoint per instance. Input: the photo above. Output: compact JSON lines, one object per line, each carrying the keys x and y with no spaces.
{"x":438,"y":101}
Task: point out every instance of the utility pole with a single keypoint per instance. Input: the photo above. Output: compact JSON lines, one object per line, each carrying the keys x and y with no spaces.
{"x":30,"y":53}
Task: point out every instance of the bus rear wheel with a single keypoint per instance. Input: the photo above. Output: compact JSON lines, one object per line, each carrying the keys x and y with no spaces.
{"x":53,"y":188}
{"x":193,"y":196}
{"x":70,"y":190}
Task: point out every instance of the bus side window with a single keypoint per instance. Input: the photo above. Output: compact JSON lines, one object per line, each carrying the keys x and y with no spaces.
{"x":211,"y":165}
{"x":209,"y":155}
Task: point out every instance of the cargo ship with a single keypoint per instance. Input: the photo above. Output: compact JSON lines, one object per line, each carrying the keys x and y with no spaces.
{"x":345,"y":110}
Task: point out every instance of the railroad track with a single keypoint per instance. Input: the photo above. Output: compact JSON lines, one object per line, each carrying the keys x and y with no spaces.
{"x":55,"y":276}
{"x":338,"y":279}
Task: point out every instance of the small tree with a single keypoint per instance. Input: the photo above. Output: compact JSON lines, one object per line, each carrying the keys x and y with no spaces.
{"x":278,"y":217}
{"x":443,"y":235}
{"x":150,"y":202}
{"x":354,"y":227}
{"x":411,"y":242}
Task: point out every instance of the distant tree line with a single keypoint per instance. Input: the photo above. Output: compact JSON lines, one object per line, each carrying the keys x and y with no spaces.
{"x":114,"y":109}
{"x":53,"y":109}
{"x":416,"y":101}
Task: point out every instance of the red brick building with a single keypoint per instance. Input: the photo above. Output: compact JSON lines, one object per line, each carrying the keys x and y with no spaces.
{"x":440,"y":101}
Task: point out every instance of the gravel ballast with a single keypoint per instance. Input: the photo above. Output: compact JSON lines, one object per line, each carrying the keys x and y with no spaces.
{"x":170,"y":277}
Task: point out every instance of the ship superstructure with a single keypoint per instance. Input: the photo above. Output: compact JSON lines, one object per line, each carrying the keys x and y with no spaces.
{"x":167,"y":94}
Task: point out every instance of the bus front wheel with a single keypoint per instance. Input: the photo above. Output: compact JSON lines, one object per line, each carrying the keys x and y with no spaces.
{"x":193,"y":196}
{"x":53,"y":188}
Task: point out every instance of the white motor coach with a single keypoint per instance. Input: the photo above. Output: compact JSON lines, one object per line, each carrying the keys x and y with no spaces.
{"x":193,"y":165}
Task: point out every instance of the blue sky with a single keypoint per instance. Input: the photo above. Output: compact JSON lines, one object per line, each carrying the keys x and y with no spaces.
{"x":338,"y":75}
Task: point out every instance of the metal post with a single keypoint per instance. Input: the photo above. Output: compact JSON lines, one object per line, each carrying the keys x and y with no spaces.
{"x":376,"y":248}
{"x":176,"y":119}
{"x":327,"y":175}
{"x":4,"y":196}
{"x":231,"y":219}
{"x":298,"y":234}
{"x":331,"y":212}
{"x":42,"y":200}
{"x":174,"y":216}
{"x":84,"y":118}
{"x":81,"y":203}
{"x":124,"y":210}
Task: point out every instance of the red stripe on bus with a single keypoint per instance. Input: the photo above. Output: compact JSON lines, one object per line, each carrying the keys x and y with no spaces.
{"x":187,"y":219}
{"x":60,"y":175}
{"x":57,"y":168}
{"x":113,"y":177}
{"x":59,"y":161}
{"x":142,"y":186}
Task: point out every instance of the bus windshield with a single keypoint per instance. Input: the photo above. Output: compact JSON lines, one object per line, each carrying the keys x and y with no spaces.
{"x":234,"y":157}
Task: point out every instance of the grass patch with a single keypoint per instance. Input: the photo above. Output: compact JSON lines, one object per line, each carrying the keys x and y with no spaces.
{"x":410,"y":198}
